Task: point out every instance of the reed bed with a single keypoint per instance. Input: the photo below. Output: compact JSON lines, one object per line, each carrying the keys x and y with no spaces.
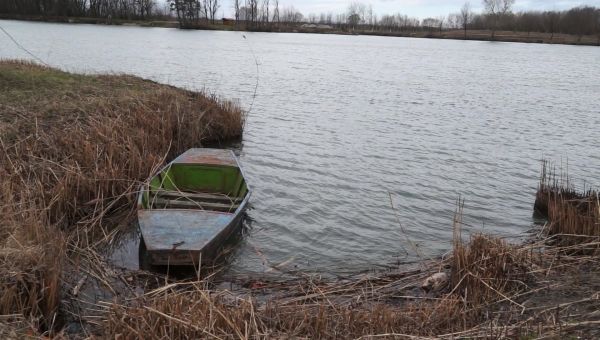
{"x":573,"y":216}
{"x":74,"y":150}
{"x":494,"y":290}
{"x":201,"y":313}
{"x":485,"y":274}
{"x":486,"y":268}
{"x":556,"y":300}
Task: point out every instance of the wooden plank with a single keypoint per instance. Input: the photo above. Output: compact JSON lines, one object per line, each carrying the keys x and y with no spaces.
{"x":159,"y":203}
{"x":198,"y":196}
{"x":205,"y":156}
{"x":184,"y":230}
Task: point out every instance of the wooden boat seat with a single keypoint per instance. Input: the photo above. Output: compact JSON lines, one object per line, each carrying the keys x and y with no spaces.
{"x":164,"y":199}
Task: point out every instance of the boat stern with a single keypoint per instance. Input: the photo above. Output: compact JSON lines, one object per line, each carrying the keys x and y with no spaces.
{"x":183,"y":237}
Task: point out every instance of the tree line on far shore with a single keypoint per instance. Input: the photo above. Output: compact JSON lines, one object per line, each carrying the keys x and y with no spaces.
{"x":118,"y":9}
{"x":358,"y":16}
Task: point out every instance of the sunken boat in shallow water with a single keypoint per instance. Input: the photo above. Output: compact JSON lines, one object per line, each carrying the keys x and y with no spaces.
{"x":190,"y":208}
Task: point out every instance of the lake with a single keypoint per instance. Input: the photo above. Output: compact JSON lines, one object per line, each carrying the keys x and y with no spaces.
{"x":338,"y":125}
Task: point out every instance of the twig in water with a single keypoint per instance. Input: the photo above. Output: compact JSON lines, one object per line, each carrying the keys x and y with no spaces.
{"x":257,"y":78}
{"x":412,"y":244}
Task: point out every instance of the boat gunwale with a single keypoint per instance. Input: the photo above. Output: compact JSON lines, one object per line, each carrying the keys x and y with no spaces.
{"x":234,"y":215}
{"x":144,"y":186}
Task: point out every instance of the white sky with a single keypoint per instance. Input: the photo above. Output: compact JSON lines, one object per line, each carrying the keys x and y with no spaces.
{"x":417,"y":8}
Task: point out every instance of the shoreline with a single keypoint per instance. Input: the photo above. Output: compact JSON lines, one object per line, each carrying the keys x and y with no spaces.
{"x":96,"y":137}
{"x":74,"y":150}
{"x":472,"y":35}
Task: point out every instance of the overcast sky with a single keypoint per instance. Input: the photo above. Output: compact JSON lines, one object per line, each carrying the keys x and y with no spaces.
{"x":417,"y":8}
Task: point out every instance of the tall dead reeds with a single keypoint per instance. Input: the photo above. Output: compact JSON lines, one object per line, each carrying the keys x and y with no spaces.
{"x":486,"y":269}
{"x":484,"y":272}
{"x":573,"y":216}
{"x":336,"y":312}
{"x":73,"y":150}
{"x":496,"y":290}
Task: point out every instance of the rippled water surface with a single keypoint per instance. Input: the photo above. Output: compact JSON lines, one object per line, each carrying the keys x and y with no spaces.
{"x":340,"y":124}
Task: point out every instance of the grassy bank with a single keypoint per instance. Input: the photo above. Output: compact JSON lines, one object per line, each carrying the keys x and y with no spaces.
{"x":74,"y":150}
{"x":480,"y":35}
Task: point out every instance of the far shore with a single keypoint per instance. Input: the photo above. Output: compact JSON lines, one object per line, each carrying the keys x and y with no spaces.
{"x":478,"y":35}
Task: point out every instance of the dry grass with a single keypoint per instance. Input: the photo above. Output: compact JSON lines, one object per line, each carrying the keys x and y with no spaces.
{"x":487,"y":268}
{"x":496,"y":290}
{"x":573,"y":217}
{"x":308,"y":309}
{"x":486,"y":273}
{"x":73,"y":151}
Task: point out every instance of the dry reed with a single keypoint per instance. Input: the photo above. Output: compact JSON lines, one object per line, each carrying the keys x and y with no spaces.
{"x":485,"y":272}
{"x":74,"y":149}
{"x":323,"y":311}
{"x":496,"y":290}
{"x":487,"y":268}
{"x":573,"y":216}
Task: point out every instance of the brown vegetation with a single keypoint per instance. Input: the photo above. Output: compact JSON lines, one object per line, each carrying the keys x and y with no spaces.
{"x":573,"y":217}
{"x":74,"y":150}
{"x":497,"y":290}
{"x":487,"y":268}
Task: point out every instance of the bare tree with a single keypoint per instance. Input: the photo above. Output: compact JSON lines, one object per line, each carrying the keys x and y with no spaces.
{"x":236,"y":10}
{"x":144,"y":7}
{"x":204,"y":8}
{"x":466,"y":15}
{"x":598,"y":25}
{"x":441,"y":20}
{"x":210,"y":9}
{"x":215,"y":7}
{"x":497,"y":9}
{"x":454,"y":21}
{"x":276,"y":11}
{"x":369,"y":17}
{"x":581,"y":20}
{"x":253,"y":11}
{"x":188,"y":12}
{"x":266,"y":5}
{"x":356,"y":14}
{"x":551,"y":20}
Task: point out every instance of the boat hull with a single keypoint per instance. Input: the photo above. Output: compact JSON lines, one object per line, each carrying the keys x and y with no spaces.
{"x":190,"y":208}
{"x":205,"y":254}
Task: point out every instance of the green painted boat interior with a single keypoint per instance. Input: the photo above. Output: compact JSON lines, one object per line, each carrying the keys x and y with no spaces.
{"x":211,"y":187}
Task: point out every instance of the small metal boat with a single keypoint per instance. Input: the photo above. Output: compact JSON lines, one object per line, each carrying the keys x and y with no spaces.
{"x":192,"y":206}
